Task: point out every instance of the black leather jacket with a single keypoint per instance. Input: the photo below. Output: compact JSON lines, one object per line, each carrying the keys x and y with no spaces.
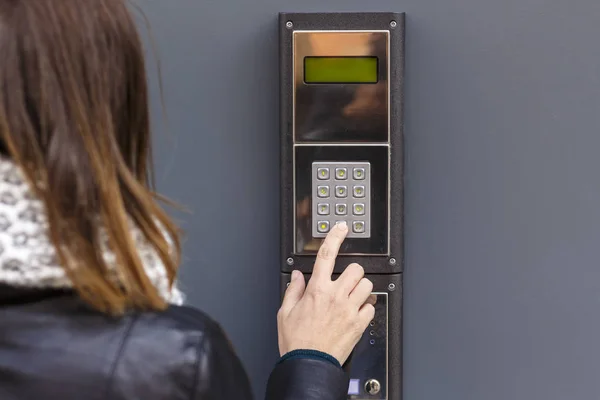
{"x":53,"y":347}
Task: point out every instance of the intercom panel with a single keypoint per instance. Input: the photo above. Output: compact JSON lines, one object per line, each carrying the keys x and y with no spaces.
{"x":375,"y":367}
{"x":341,"y":122}
{"x":341,"y":128}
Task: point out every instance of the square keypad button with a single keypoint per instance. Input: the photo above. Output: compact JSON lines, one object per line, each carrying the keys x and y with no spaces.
{"x":358,"y":226}
{"x":358,"y":209}
{"x":323,"y":209}
{"x":341,"y":209}
{"x":358,"y":173}
{"x":323,"y":226}
{"x":323,"y":191}
{"x":323,"y":173}
{"x":358,"y":191}
{"x":341,"y":191}
{"x":341,"y":174}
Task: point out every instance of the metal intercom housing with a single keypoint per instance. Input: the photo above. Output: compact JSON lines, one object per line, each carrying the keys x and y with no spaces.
{"x":341,"y":129}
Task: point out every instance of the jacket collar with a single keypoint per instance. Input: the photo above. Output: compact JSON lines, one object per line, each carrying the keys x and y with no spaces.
{"x":11,"y":295}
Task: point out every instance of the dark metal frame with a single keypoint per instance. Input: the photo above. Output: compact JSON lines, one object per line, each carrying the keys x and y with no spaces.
{"x":385,"y":270}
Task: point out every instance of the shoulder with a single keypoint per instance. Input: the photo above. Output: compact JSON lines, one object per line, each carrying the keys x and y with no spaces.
{"x":181,"y":343}
{"x":184,"y":327}
{"x":170,"y":354}
{"x":184,"y":319}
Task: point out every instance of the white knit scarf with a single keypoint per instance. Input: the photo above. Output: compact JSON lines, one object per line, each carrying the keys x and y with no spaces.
{"x":27,"y":256}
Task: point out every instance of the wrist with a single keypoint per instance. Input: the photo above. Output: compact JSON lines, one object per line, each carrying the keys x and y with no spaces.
{"x":312,"y":354}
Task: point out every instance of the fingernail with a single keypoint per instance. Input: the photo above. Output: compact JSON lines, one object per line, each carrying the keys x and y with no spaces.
{"x":295,"y":275}
{"x":342,"y":225}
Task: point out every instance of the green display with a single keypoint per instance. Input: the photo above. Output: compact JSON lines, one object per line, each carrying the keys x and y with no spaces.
{"x":340,"y":69}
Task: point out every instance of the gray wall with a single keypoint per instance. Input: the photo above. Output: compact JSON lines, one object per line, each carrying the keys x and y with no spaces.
{"x":503,"y":185}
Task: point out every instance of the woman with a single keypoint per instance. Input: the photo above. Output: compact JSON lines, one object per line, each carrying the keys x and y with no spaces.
{"x":89,"y":308}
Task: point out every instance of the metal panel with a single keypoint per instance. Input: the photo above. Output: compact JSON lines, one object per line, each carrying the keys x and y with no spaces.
{"x":377,"y":156}
{"x":341,"y":112}
{"x":379,"y":352}
{"x":387,"y":244}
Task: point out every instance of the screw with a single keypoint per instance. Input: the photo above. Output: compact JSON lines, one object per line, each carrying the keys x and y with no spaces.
{"x":393,"y":24}
{"x":290,"y":261}
{"x":289,"y":24}
{"x":392,"y":261}
{"x":391,"y":287}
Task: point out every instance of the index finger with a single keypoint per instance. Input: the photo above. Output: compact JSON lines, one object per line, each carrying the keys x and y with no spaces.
{"x":329,"y":250}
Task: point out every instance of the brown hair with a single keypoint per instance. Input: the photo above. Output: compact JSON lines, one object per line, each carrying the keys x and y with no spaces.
{"x":74,"y":115}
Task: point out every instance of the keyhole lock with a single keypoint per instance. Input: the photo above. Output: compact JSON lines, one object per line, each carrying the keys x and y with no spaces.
{"x":372,"y":386}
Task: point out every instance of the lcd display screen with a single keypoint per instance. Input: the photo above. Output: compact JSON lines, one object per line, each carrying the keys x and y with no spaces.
{"x":341,"y":69}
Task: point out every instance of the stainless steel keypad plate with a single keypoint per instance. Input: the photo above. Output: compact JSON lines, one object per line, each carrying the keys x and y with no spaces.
{"x":341,"y":191}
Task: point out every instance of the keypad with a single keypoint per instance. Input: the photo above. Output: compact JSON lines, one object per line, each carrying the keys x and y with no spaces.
{"x":341,"y":192}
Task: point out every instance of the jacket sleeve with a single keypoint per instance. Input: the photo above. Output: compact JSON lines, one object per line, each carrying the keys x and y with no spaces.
{"x":220,"y":374}
{"x":307,"y":379}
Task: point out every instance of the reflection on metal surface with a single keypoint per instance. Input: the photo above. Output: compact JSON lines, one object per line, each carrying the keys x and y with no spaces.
{"x":341,"y":112}
{"x":368,"y":364}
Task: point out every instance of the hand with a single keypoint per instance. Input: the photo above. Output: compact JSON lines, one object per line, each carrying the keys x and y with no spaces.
{"x":325,"y":315}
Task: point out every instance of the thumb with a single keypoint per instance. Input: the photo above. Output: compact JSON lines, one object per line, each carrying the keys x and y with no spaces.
{"x":294,"y":292}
